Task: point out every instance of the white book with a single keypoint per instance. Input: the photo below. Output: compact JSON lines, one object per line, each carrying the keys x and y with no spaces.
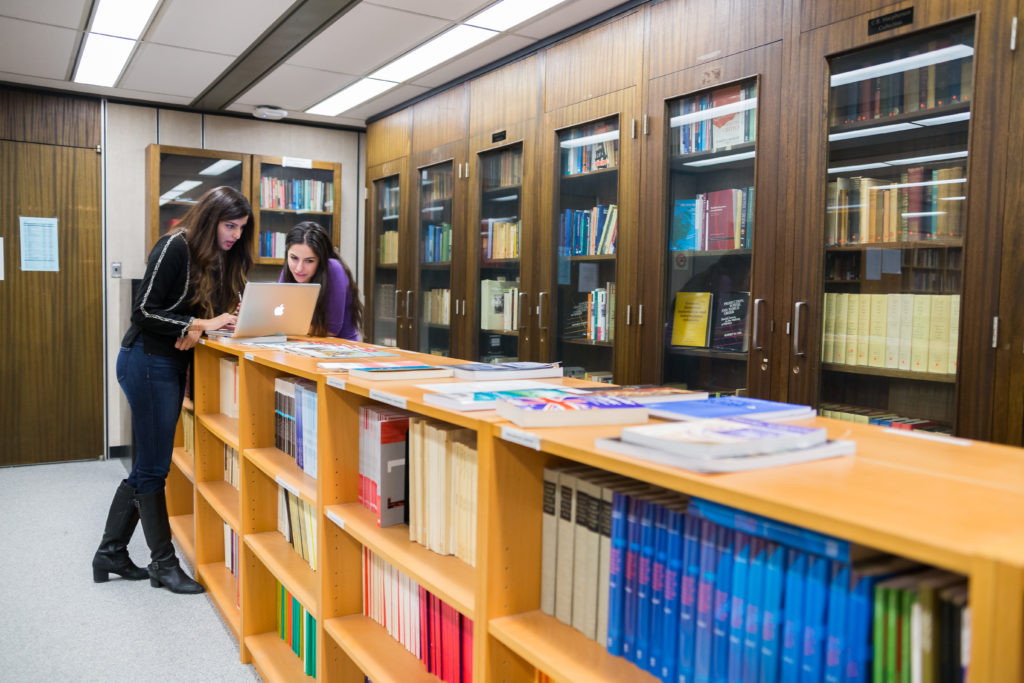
{"x":906,"y":329}
{"x":738,"y":463}
{"x":724,"y":437}
{"x":954,"y":333}
{"x":229,"y":387}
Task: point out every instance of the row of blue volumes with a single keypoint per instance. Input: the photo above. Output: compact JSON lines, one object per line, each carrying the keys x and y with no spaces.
{"x":589,"y":232}
{"x":296,"y":194}
{"x":430,"y":629}
{"x":437,"y":243}
{"x":695,"y":591}
{"x":295,"y":421}
{"x":272,"y":244}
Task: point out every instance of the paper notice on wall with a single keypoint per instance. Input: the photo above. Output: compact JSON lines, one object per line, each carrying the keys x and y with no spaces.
{"x":38,"y":243}
{"x":297,"y":162}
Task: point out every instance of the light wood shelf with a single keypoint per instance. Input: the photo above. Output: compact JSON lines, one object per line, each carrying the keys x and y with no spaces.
{"x":446,"y":576}
{"x":382,"y":658}
{"x":223,"y":427}
{"x":288,"y":567}
{"x":222,"y":587}
{"x":561,"y":651}
{"x":277,"y":465}
{"x":224,"y":499}
{"x":184,"y":462}
{"x":274,"y":660}
{"x":183,"y":528}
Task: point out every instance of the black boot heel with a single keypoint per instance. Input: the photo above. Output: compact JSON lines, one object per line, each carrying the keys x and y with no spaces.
{"x":100,"y":575}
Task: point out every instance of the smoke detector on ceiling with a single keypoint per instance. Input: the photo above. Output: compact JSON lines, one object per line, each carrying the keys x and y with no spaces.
{"x":269,"y":112}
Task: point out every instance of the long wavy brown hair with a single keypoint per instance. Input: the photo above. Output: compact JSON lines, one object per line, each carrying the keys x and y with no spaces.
{"x":315,"y":236}
{"x":217,"y":277}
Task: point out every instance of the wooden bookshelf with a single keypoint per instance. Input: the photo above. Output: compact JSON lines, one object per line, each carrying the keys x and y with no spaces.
{"x":223,"y":590}
{"x":280,"y":558}
{"x":379,"y":656}
{"x":277,"y":465}
{"x":274,"y":660}
{"x":224,"y":499}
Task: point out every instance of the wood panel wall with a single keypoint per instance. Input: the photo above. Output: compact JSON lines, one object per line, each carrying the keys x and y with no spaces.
{"x":49,"y":119}
{"x":441,"y":119}
{"x":389,"y":138}
{"x":505,"y":96}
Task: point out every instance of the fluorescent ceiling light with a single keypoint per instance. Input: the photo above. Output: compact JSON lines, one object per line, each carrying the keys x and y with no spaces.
{"x":940,"y":120}
{"x":928,"y":158}
{"x":721,"y":160}
{"x":705,"y":114}
{"x":877,"y":130}
{"x":952,"y":199}
{"x":896,"y":66}
{"x":926,"y":183}
{"x":508,"y":13}
{"x":509,"y":198}
{"x":122,"y":18}
{"x":856,"y":167}
{"x":923,"y":213}
{"x":353,"y":95}
{"x":186,"y":185}
{"x":219,"y":167}
{"x":589,"y":139}
{"x":103,"y":59}
{"x":428,"y":55}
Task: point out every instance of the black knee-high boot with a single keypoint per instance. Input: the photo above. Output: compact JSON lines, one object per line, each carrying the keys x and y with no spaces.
{"x":164,"y":570}
{"x":112,"y":555}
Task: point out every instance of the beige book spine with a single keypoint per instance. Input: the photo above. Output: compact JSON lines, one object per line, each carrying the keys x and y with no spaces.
{"x":839,"y":341}
{"x":919,"y":335}
{"x":863,"y":328}
{"x":877,"y":330}
{"x":938,"y":334}
{"x":954,"y":333}
{"x":852,"y":319}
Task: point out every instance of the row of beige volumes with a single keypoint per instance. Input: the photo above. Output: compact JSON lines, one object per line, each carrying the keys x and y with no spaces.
{"x":914,"y":332}
{"x":944,"y":502}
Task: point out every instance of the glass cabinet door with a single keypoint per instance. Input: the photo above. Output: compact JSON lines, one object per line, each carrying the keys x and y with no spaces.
{"x":385,"y":263}
{"x":289,"y":194}
{"x":894,"y":229}
{"x":500,"y":227}
{"x":587,"y":214}
{"x":710,"y":231}
{"x":434,"y":279}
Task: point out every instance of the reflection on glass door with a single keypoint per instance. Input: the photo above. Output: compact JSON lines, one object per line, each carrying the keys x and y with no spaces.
{"x":385,"y":264}
{"x":712,"y":137}
{"x":500,"y":228}
{"x":435,"y":259}
{"x":894,"y":229}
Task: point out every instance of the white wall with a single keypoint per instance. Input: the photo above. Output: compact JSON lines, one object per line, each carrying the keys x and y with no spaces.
{"x":129,"y":129}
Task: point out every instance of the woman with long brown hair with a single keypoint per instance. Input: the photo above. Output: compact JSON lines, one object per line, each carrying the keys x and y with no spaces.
{"x":309,"y":257}
{"x":191,"y":285}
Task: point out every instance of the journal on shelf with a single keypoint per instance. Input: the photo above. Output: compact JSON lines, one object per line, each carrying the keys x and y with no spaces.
{"x":571,"y":411}
{"x":649,"y":394}
{"x":711,"y":464}
{"x":393,"y":370}
{"x":469,"y":396}
{"x":511,"y":370}
{"x":719,"y":437}
{"x":731,"y":406}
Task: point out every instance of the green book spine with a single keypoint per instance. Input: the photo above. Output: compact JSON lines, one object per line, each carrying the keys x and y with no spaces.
{"x":296,"y":626}
{"x":892,"y":630}
{"x":878,"y":636}
{"x":907,"y":600}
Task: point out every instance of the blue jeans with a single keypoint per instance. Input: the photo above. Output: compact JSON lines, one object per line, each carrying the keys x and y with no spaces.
{"x":155,"y":387}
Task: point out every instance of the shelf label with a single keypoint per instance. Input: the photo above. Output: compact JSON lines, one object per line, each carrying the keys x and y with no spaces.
{"x":296,"y":162}
{"x":930,"y":436}
{"x":888,"y":22}
{"x":390,"y":399}
{"x":520,"y":437}
{"x":249,"y":356}
{"x":336,"y":519}
{"x":335,"y":382}
{"x":288,"y":487}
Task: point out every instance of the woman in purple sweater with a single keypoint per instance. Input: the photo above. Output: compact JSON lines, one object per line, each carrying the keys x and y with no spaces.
{"x":309,"y":257}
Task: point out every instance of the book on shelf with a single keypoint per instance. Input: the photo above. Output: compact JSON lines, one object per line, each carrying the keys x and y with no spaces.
{"x":383,"y":433}
{"x":729,"y":321}
{"x":687,"y":224}
{"x":691,"y":318}
{"x":722,"y":437}
{"x":306,"y":426}
{"x":571,"y":411}
{"x":728,"y":129}
{"x":648,"y":394}
{"x":232,"y":471}
{"x":297,"y":628}
{"x":505,"y":371}
{"x":731,"y":406}
{"x":729,"y":463}
{"x":229,"y":387}
{"x":327,"y":350}
{"x":296,"y":520}
{"x":487,"y":400}
{"x":397,"y":369}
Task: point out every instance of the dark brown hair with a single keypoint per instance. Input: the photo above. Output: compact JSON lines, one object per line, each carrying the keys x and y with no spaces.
{"x":316,"y":237}
{"x":217,"y":276}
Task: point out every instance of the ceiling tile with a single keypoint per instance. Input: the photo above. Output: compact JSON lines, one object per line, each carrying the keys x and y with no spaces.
{"x":66,"y":13}
{"x":295,"y":88}
{"x":224,"y":26}
{"x":365,"y":38}
{"x":35,"y":49}
{"x":454,"y":10}
{"x":564,"y":16}
{"x":485,"y":54}
{"x":171,"y":70}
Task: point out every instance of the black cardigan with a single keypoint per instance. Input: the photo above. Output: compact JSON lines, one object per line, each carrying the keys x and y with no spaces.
{"x":161,"y":312}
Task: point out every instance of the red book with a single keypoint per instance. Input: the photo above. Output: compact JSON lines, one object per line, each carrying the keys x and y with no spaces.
{"x":288,"y":617}
{"x":467,"y":649}
{"x":424,"y":630}
{"x":435,"y":635}
{"x":720,"y":225}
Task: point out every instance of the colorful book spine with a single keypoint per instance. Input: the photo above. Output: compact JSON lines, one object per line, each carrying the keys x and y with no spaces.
{"x":616,"y":573}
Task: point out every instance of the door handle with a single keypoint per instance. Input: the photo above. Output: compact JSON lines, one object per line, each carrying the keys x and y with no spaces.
{"x":797,"y":308}
{"x":408,"y":314}
{"x":755,"y":343}
{"x":540,"y":311}
{"x":519,"y":311}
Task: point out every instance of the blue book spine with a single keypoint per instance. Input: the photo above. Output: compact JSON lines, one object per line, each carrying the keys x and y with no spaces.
{"x":670,"y":603}
{"x":752,"y":618}
{"x":859,"y":642}
{"x":740,"y":566}
{"x":721,"y":607}
{"x":771,"y":612}
{"x":705,"y":599}
{"x":837,"y":622}
{"x":629,"y":605}
{"x":815,"y":603}
{"x":773,"y":530}
{"x":616,"y":586}
{"x":653,"y":636}
{"x":793,"y":616}
{"x":648,"y":514}
{"x":688,"y":599}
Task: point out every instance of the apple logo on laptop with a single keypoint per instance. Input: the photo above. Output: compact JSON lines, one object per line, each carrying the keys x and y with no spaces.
{"x":279,"y":310}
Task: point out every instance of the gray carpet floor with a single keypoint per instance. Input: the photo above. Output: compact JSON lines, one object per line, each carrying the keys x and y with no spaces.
{"x":57,"y":625}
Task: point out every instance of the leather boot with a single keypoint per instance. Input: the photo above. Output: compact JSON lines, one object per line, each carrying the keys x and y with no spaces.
{"x":164,"y":569}
{"x":112,"y":555}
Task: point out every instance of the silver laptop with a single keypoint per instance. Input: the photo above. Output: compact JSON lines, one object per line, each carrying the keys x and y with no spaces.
{"x":274,"y":309}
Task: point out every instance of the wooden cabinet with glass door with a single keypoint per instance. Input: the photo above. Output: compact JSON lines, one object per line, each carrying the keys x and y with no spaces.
{"x":435,"y":222}
{"x":383,"y":228}
{"x":176,"y":177}
{"x":287,"y":191}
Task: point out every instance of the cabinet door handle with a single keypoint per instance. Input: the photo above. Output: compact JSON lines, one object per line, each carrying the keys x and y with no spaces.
{"x":629,"y":312}
{"x":408,"y":311}
{"x":797,"y":308}
{"x":755,"y":343}
{"x":540,"y":311}
{"x":463,"y":308}
{"x":398,"y":293}
{"x":467,"y":170}
{"x":459,"y":169}
{"x":639,"y":315}
{"x":519,"y":311}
